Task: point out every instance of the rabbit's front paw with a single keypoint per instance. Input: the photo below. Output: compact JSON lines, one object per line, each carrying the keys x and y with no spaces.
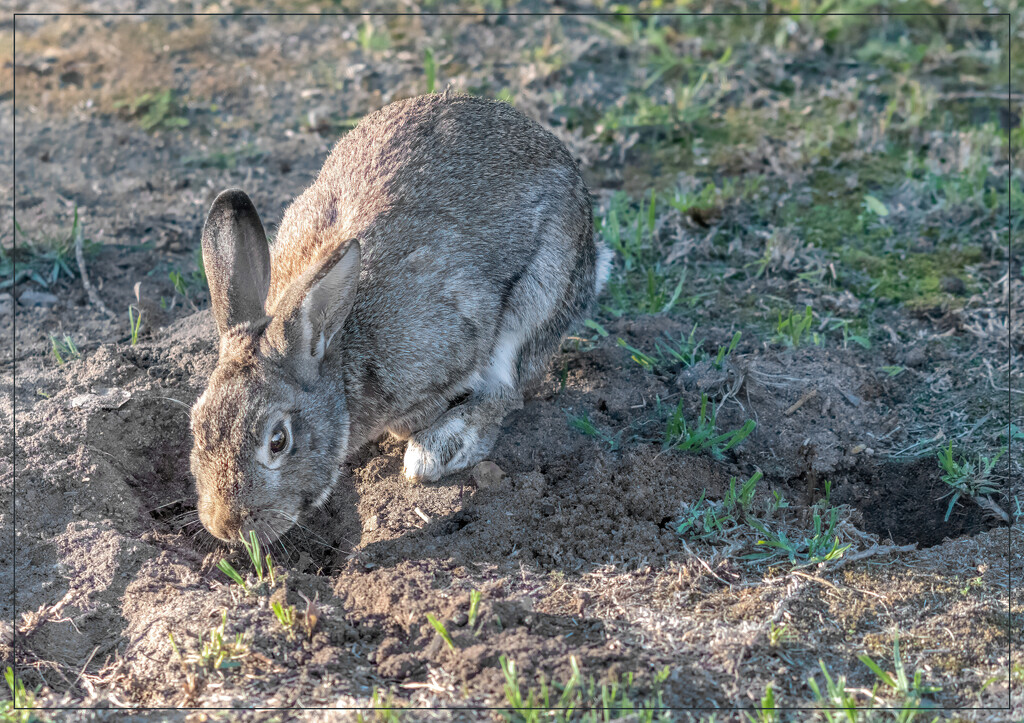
{"x":440,"y":449}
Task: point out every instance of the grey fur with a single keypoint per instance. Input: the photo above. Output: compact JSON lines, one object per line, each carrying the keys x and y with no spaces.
{"x":236,"y":258}
{"x":471,"y":229}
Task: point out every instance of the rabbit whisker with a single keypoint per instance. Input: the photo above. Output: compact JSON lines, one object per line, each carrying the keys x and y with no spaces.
{"x":298,"y":525}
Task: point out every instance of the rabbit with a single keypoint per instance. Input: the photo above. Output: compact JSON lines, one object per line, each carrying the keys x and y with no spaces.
{"x":416,"y":287}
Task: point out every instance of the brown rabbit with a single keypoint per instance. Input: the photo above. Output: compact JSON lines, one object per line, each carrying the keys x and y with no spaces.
{"x":425,"y":277}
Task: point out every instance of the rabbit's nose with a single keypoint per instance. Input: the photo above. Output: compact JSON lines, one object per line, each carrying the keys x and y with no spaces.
{"x":224,"y":523}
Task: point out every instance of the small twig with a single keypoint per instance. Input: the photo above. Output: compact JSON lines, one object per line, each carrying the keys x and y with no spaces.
{"x":94,"y":297}
{"x":731,"y":393}
{"x":422,"y":515}
{"x":704,"y":564}
{"x":815,"y":578}
{"x":987,"y":503}
{"x":875,"y":549}
{"x":800,"y":402}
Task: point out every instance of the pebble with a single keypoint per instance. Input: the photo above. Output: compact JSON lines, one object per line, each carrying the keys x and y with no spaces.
{"x":37,"y":298}
{"x":319,"y":118}
{"x":6,"y":304}
{"x":487,"y":474}
{"x":372,"y":524}
{"x":102,"y":398}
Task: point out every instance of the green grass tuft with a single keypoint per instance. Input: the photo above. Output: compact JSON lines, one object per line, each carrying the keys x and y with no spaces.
{"x":702,"y":436}
{"x":441,"y":630}
{"x":580,"y":699}
{"x":64,"y":349}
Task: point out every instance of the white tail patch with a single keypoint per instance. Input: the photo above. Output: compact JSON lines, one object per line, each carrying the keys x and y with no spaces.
{"x":604,"y":267}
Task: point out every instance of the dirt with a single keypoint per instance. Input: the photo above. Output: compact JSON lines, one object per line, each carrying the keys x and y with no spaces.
{"x":129,"y":563}
{"x":571,"y":540}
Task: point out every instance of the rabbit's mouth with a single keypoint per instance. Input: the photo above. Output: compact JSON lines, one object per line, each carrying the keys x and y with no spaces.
{"x":231,"y":525}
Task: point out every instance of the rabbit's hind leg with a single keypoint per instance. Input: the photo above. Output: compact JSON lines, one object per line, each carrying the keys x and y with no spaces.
{"x":542,"y":302}
{"x":464,"y":434}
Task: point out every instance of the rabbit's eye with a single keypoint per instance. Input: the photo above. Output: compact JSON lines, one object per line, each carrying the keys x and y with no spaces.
{"x":278,"y":439}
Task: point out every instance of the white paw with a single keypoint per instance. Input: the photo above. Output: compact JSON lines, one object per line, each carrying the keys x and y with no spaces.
{"x":421,"y":465}
{"x":439,"y":450}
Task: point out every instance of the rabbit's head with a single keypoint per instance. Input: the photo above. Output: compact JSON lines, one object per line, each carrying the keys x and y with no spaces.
{"x":270,"y":431}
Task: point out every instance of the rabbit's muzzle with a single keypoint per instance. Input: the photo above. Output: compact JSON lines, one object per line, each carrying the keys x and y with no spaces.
{"x":223,"y":522}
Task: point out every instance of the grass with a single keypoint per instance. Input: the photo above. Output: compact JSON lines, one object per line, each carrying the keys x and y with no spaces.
{"x":19,"y":709}
{"x":896,"y":696}
{"x":701,"y":436}
{"x":845,"y":327}
{"x":821,"y":545}
{"x":733,"y":516}
{"x":780,"y":635}
{"x":670,"y":353}
{"x":372,"y":39}
{"x":579,"y":699}
{"x":842,"y":195}
{"x":384,"y":709}
{"x":685,"y":351}
{"x":430,"y":69}
{"x":257,"y":558}
{"x":766,"y":713}
{"x":908,"y":690}
{"x":227,"y":159}
{"x":705,"y":520}
{"x":645,"y":284}
{"x":228,"y":569}
{"x":792,"y":330}
{"x":185,"y":285}
{"x":284,"y":615}
{"x":582,"y":423}
{"x":215,"y":650}
{"x":262,"y":564}
{"x":44,"y":259}
{"x":645,"y":360}
{"x":726,"y":349}
{"x":474,"y":607}
{"x":587,"y":343}
{"x":696,"y":87}
{"x":441,"y":630}
{"x":969,"y":478}
{"x":903,"y":697}
{"x":835,"y":697}
{"x":155,"y":110}
{"x":64,"y":349}
{"x":134,"y":323}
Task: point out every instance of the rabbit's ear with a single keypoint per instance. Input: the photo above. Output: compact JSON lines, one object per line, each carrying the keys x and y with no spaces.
{"x":237,"y":260}
{"x":315,"y":306}
{"x":330,"y":296}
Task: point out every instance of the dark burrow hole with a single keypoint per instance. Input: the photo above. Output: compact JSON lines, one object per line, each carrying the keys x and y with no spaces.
{"x":907,"y":501}
{"x":173,"y":513}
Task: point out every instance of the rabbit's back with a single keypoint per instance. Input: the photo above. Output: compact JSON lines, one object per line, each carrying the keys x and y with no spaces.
{"x":446,"y":174}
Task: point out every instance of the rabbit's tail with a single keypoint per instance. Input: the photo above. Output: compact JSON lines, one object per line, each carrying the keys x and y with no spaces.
{"x":604,"y":267}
